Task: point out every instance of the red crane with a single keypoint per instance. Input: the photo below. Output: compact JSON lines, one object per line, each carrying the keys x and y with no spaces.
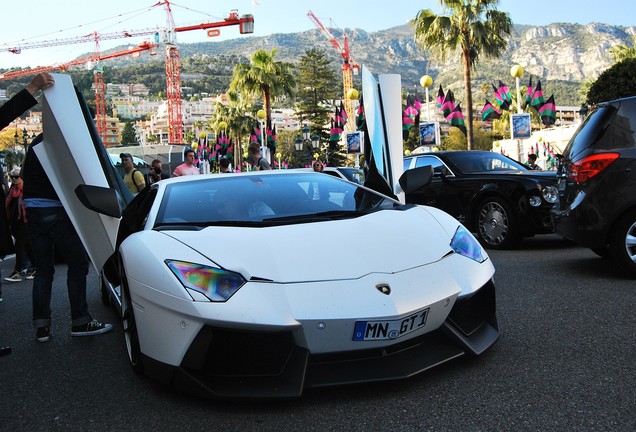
{"x":173,"y":68}
{"x":100,"y":89}
{"x":348,"y":65}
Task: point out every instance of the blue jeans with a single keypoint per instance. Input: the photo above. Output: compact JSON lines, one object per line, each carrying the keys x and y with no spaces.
{"x":51,"y":230}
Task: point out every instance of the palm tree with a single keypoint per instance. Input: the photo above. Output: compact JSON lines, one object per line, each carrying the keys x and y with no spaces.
{"x":266,"y":77}
{"x":239,"y":123}
{"x":473,"y":28}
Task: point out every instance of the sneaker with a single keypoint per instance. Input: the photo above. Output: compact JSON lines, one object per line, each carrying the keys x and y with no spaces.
{"x":29,"y":274}
{"x":42,"y":334}
{"x":91,"y":328}
{"x":16,"y":276}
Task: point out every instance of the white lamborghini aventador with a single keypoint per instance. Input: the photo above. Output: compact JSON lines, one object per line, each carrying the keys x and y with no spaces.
{"x":230,"y":285}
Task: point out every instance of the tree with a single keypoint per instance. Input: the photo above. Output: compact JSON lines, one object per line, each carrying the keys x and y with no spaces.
{"x":474,"y":28}
{"x":623,"y":52}
{"x":616,"y":82}
{"x":318,"y":86}
{"x":128,"y":135}
{"x":264,"y":76}
{"x":239,"y":123}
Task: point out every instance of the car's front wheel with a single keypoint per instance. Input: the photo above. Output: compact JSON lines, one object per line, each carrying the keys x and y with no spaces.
{"x":131,"y":336}
{"x":623,"y":243}
{"x":496,"y":224}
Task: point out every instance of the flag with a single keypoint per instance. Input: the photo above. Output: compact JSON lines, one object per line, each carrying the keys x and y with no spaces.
{"x":360,"y":120}
{"x":456,"y":118}
{"x":344,"y":114}
{"x":548,"y":112}
{"x":271,"y":137}
{"x":449,"y":103}
{"x":334,"y":135}
{"x":505,"y":93}
{"x":537,"y":97}
{"x":500,"y":98}
{"x":256,"y":134}
{"x":440,"y":97}
{"x":417,"y":104}
{"x":489,"y":112}
{"x":528,"y":94}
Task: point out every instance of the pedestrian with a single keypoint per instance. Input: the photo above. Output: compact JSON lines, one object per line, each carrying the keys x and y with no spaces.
{"x":256,"y":161}
{"x":11,"y":109}
{"x":532,"y":162}
{"x":224,"y":165}
{"x":318,"y":166}
{"x":187,"y":167}
{"x":156,"y":172}
{"x":133,"y":178}
{"x":16,"y":216}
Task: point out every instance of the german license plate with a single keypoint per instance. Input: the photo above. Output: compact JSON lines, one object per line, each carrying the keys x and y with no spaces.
{"x":389,"y":329}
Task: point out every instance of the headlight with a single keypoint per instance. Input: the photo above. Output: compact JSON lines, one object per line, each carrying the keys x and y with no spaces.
{"x":550,"y":194}
{"x":463,"y":243}
{"x":216,"y":284}
{"x":534,"y":200}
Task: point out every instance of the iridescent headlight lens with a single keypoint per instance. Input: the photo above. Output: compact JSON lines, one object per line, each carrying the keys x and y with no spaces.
{"x":464,"y":243}
{"x":550,"y":194}
{"x":216,"y":284}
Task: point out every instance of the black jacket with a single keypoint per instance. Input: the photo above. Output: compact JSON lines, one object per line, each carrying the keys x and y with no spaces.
{"x":12,"y":109}
{"x":36,"y":181}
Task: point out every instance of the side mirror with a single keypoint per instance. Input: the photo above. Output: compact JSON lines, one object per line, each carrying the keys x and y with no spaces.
{"x":416,"y":178}
{"x":99,"y":199}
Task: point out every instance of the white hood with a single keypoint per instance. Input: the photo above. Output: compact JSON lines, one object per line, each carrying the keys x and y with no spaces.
{"x":385,"y":242}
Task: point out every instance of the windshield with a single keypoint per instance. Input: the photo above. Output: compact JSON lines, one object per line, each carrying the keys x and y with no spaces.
{"x":355,"y":175}
{"x":473,"y":161}
{"x":249,"y":199}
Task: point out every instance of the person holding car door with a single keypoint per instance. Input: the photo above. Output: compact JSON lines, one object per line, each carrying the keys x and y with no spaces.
{"x":9,"y":111}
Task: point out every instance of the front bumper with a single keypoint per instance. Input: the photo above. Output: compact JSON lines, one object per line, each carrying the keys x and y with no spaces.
{"x":238,"y":363}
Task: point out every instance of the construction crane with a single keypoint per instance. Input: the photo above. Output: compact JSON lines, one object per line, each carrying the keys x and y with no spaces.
{"x":100,"y":89}
{"x":348,"y":67}
{"x":167,"y":35}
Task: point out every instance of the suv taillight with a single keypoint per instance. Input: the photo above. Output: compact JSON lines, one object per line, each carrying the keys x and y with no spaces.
{"x":589,"y":166}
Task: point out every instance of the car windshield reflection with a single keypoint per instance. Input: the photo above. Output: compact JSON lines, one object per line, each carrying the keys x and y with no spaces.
{"x":257,"y":199}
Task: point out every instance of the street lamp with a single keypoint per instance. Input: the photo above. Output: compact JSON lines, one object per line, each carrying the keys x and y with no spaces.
{"x":517,"y":72}
{"x":426,"y":81}
{"x":261,"y":114}
{"x":25,"y":140}
{"x":311,"y":141}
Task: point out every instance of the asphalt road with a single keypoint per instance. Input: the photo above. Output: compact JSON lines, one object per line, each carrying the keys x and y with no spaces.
{"x":565,"y":362}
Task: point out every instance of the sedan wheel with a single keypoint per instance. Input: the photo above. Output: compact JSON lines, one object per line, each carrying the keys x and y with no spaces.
{"x":496,"y":226}
{"x":130,"y":328}
{"x":623,"y":243}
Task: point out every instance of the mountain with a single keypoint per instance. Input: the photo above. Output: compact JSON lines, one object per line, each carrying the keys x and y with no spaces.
{"x":562,"y":55}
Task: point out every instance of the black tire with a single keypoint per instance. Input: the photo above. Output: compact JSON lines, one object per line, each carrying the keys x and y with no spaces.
{"x":131,"y":337}
{"x":496,"y":224}
{"x":623,"y":243}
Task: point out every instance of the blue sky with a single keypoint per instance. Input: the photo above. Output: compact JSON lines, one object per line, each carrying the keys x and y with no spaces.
{"x":48,"y":20}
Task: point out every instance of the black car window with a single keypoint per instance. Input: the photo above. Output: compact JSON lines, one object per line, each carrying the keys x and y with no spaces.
{"x":610,"y":127}
{"x":437,"y":165}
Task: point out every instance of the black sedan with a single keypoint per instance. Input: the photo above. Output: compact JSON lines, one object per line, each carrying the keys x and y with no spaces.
{"x":496,"y":197}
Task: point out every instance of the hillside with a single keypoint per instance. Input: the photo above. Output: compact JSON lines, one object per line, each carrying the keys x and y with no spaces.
{"x":562,"y":55}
